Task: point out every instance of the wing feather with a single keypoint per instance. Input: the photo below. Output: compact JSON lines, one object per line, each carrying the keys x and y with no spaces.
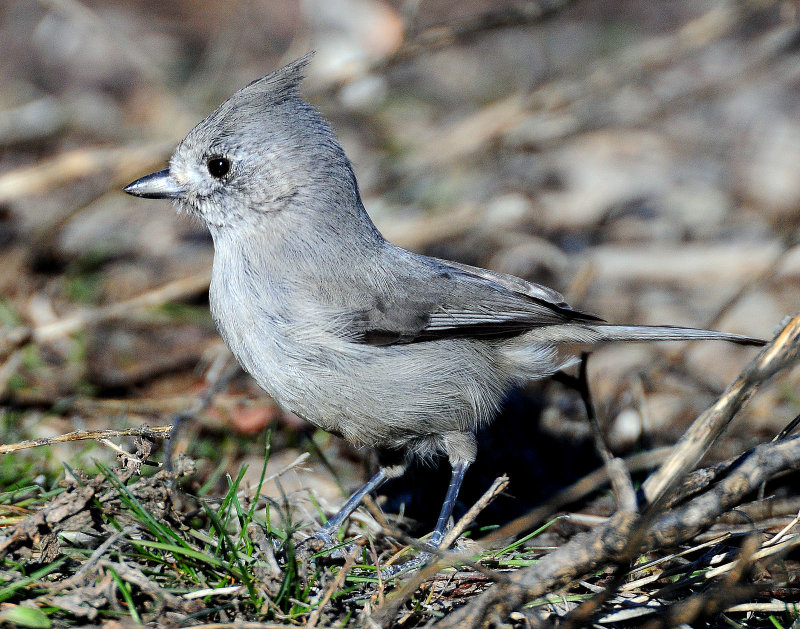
{"x":452,"y":300}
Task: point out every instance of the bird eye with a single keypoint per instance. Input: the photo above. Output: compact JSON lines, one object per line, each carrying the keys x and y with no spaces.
{"x":218,"y":167}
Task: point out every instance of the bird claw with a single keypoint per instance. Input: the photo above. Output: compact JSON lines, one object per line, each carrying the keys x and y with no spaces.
{"x":320,"y":542}
{"x":315,"y":543}
{"x":420,"y":561}
{"x":395,"y":570}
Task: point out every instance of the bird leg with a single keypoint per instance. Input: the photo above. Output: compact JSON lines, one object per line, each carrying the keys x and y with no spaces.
{"x":459,"y":469}
{"x":328,"y":530}
{"x":437,"y":537}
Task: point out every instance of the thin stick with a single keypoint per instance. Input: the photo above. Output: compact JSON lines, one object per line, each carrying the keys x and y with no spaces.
{"x":444,"y":559}
{"x":782,"y":547}
{"x":122,"y":162}
{"x":710,"y":424}
{"x":156,"y":432}
{"x":313,"y":619}
{"x":498,"y":486}
{"x":575,"y":492}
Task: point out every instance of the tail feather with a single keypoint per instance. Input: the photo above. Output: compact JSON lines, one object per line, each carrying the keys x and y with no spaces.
{"x":669,"y":333}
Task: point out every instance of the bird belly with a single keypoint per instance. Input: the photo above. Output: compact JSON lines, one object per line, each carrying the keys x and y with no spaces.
{"x":384,"y":397}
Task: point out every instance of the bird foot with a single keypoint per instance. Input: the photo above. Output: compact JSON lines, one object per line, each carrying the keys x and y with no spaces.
{"x":420,"y":561}
{"x":395,"y":570}
{"x":320,"y":542}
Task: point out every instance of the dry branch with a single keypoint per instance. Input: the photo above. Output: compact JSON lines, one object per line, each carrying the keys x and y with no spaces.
{"x":609,"y":544}
{"x":590,"y":483}
{"x":782,"y":352}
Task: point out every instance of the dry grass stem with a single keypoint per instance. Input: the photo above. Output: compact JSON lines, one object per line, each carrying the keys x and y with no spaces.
{"x":497,"y":488}
{"x":335,"y":585}
{"x":150,"y":432}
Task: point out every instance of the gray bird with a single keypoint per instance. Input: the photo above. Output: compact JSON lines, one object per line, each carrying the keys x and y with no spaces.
{"x":387,"y":348}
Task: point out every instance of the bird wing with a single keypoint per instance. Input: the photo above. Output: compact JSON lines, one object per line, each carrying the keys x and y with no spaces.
{"x":452,"y":300}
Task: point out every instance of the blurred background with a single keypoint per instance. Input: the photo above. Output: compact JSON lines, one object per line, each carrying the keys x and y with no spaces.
{"x":642,"y":158}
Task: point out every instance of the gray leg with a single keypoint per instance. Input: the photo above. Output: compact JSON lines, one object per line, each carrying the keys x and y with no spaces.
{"x":459,"y":469}
{"x":327,"y":532}
{"x":435,"y":540}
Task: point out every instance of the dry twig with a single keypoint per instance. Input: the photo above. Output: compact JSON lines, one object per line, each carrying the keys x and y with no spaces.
{"x":156,"y":432}
{"x":443,"y":558}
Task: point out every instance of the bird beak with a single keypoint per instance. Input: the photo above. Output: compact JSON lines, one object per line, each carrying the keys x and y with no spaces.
{"x":156,"y":186}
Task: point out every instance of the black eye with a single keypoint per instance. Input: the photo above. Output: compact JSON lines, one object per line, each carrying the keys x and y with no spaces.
{"x":218,"y":167}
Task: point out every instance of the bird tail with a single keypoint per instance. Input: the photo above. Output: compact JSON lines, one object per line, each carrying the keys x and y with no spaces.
{"x":668,"y":333}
